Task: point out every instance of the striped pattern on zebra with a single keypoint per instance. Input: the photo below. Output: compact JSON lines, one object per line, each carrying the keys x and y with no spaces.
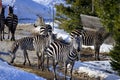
{"x":93,"y":37}
{"x":44,"y":30}
{"x":2,"y":23}
{"x":25,"y":43}
{"x":62,"y":52}
{"x":11,"y":22}
{"x":40,"y":42}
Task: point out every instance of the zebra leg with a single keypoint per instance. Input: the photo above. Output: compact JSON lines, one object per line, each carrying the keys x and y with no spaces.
{"x":3,"y":34}
{"x":28,"y":59}
{"x":8,"y":33}
{"x":65,"y":71}
{"x":13,"y":37}
{"x":71,"y":71}
{"x":26,"y":54}
{"x":39,"y":58}
{"x":98,"y":57}
{"x":97,"y":53}
{"x":54,"y":68}
{"x":42,"y":62}
{"x":13,"y":58}
{"x":24,"y":57}
{"x":48,"y":63}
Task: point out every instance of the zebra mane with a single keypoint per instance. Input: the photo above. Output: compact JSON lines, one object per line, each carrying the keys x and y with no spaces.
{"x":61,"y":40}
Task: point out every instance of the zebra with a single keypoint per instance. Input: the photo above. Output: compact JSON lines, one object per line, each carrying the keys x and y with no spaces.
{"x":2,"y":23}
{"x":62,"y":52}
{"x":11,"y":22}
{"x":40,"y":42}
{"x":93,"y":37}
{"x":25,"y":43}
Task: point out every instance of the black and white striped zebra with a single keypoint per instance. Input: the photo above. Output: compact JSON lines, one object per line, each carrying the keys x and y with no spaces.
{"x":11,"y":22}
{"x":2,"y":23}
{"x":62,"y":52}
{"x":25,"y":43}
{"x":93,"y":37}
{"x":40,"y":42}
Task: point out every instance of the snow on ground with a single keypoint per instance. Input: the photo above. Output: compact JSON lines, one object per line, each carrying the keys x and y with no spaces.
{"x":8,"y":72}
{"x":92,"y":68}
{"x":96,"y":69}
{"x":104,"y":47}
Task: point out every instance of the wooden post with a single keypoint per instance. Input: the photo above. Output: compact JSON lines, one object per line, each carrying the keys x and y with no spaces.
{"x":0,"y":5}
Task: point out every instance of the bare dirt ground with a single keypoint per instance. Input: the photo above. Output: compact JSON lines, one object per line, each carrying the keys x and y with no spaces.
{"x":26,"y":30}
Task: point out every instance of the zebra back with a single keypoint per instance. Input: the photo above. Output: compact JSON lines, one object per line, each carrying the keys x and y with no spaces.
{"x":60,"y":51}
{"x":11,"y":20}
{"x":101,"y":35}
{"x":87,"y":36}
{"x":25,"y":43}
{"x":40,"y":42}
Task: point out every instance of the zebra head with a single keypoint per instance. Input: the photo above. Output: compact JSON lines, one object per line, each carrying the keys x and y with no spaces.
{"x":77,"y":42}
{"x":10,"y":9}
{"x":46,"y":30}
{"x":49,"y":28}
{"x":13,"y":49}
{"x":39,"y":21}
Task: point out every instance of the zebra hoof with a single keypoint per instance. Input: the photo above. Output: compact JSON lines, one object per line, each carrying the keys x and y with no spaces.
{"x":29,"y":64}
{"x":48,"y":70}
{"x":11,"y":62}
{"x":1,"y":40}
{"x":98,"y":59}
{"x":24,"y":63}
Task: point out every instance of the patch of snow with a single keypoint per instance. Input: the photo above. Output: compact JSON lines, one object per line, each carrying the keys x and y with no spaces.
{"x":8,"y":72}
{"x":104,"y":47}
{"x":96,"y":69}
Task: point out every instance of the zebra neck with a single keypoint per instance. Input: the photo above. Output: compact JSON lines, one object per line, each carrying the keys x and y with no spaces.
{"x":71,"y":45}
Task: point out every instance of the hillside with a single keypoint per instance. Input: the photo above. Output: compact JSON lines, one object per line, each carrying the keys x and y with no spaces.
{"x":28,"y":9}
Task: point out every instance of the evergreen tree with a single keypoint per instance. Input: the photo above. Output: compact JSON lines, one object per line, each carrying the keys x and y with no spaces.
{"x":109,"y":12}
{"x":69,"y":15}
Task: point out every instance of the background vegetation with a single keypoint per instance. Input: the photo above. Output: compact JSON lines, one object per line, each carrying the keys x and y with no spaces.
{"x":107,"y":10}
{"x":69,"y":15}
